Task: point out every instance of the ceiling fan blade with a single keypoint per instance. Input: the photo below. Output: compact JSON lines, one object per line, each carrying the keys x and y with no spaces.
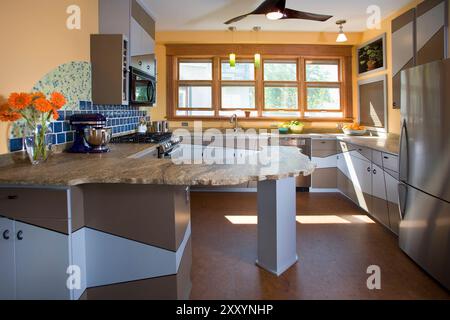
{"x":270,"y":6}
{"x":264,"y":8}
{"x":237,"y":18}
{"x":294,"y":14}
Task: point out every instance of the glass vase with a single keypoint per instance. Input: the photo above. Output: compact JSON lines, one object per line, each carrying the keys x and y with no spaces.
{"x":38,"y":143}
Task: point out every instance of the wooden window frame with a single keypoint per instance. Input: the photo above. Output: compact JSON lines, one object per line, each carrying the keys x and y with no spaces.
{"x":325,"y":84}
{"x":237,"y":83}
{"x":299,"y":53}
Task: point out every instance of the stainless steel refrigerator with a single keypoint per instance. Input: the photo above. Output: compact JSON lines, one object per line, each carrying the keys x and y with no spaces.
{"x":424,"y":190}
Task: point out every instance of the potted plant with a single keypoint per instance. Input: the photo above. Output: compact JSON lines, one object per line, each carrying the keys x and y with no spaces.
{"x":37,"y":112}
{"x":371,"y":56}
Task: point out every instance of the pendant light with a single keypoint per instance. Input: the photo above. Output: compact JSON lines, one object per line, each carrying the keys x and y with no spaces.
{"x":341,"y":36}
{"x":232,"y":55}
{"x":257,"y":55}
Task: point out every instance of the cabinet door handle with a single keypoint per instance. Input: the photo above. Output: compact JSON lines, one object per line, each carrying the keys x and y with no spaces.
{"x":374,"y":171}
{"x":13,"y":197}
{"x":368,"y":169}
{"x":20,"y":235}
{"x":6,"y":235}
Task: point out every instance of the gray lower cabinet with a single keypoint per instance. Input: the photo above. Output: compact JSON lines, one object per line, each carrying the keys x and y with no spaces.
{"x":379,"y":208}
{"x":392,"y":199}
{"x":368,"y":183}
{"x":7,"y":260}
{"x":42,"y":259}
{"x":33,"y":261}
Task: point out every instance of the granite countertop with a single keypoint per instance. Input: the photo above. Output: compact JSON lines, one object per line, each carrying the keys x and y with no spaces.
{"x":64,"y":169}
{"x":389,"y":144}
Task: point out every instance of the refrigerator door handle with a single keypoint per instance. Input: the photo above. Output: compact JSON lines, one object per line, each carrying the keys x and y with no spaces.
{"x":402,"y":199}
{"x":403,"y":156}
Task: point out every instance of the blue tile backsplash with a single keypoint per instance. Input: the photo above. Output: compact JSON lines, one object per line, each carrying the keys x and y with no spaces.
{"x":122,"y":120}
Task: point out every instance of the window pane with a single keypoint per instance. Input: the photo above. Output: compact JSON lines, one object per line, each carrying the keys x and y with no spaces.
{"x":281,"y":114}
{"x":194,"y":113}
{"x":324,"y":99}
{"x":194,"y":97}
{"x":280,"y":71}
{"x":195,"y":71}
{"x":323,"y":114}
{"x":242,"y":72}
{"x":238,"y":97}
{"x":239,"y":113}
{"x":322,"y":71}
{"x":280,"y":98}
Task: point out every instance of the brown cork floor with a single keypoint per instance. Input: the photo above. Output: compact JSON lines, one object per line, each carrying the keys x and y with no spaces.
{"x":333,"y":257}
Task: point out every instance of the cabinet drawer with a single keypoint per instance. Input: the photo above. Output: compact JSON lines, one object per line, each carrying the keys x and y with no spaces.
{"x":17,"y":203}
{"x":289,"y":142}
{"x":328,"y":145}
{"x":390,"y":162}
{"x":361,"y":152}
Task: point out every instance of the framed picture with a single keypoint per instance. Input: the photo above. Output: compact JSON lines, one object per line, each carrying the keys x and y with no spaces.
{"x":372,"y":103}
{"x":372,"y":56}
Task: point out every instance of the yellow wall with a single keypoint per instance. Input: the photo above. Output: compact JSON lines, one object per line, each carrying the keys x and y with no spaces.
{"x":35,"y":41}
{"x":394,"y":122}
{"x":393,"y":114}
{"x":199,"y":37}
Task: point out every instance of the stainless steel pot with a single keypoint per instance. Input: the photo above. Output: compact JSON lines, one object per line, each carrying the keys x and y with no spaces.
{"x":160,"y":126}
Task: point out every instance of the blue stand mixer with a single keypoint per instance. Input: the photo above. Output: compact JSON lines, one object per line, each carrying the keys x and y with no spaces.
{"x":91,"y":133}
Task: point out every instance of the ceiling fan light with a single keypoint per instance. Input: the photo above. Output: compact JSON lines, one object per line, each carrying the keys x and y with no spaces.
{"x":341,"y":37}
{"x":275,"y":15}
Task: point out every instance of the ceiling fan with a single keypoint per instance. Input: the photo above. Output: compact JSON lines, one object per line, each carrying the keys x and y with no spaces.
{"x":276,"y":10}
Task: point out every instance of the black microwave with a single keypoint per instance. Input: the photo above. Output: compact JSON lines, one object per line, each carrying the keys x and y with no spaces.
{"x":142,"y":88}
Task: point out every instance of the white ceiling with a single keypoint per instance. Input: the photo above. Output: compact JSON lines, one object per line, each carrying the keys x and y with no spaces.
{"x":174,"y":15}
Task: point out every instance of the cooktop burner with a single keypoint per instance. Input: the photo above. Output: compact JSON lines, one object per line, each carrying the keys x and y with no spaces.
{"x":143,"y":138}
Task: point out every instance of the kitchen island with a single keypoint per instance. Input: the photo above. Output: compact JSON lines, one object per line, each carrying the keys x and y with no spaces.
{"x":117,"y":225}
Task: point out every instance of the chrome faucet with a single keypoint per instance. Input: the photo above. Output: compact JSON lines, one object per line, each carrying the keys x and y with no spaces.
{"x":234,"y":119}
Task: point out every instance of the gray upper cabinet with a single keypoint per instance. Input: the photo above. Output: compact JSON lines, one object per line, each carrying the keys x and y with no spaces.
{"x":126,"y":30}
{"x":431,"y":36}
{"x":110,"y":76}
{"x":403,"y":50}
{"x":419,"y":36}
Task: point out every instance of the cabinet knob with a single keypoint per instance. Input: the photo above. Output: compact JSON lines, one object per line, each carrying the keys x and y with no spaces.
{"x":374,"y":171}
{"x":368,"y":169}
{"x":6,"y":235}
{"x":20,"y":235}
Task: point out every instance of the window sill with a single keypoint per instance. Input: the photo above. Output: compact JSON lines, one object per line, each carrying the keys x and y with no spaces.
{"x":261,"y":119}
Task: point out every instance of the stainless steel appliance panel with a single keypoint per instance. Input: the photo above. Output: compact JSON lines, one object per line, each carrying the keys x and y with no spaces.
{"x":425,"y":232}
{"x":425,"y":145}
{"x":305,"y":147}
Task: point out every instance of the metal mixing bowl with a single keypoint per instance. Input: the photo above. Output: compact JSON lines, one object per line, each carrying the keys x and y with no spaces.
{"x":98,"y":137}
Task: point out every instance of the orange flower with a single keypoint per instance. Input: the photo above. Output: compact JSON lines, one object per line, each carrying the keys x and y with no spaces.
{"x":6,"y":114}
{"x":43,"y":105}
{"x":55,"y":114}
{"x":58,"y":100}
{"x":37,"y":95}
{"x":19,"y":101}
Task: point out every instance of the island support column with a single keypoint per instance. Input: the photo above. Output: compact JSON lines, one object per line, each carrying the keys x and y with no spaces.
{"x":277,"y":233}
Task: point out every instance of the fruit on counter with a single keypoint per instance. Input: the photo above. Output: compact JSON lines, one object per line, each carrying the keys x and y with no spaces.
{"x":355,"y":126}
{"x":291,"y":124}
